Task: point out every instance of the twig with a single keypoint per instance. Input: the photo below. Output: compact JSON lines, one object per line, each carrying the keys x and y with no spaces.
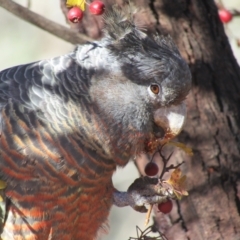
{"x":165,"y":161}
{"x":43,"y":23}
{"x":143,"y":235}
{"x":29,"y":3}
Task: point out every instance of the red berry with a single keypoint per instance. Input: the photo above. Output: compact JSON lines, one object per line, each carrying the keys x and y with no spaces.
{"x":225,"y":15}
{"x":96,"y":7}
{"x":165,"y":207}
{"x":151,"y":169}
{"x":75,"y":14}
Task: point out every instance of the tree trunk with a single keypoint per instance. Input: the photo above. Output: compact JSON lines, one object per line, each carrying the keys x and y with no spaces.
{"x":211,"y":211}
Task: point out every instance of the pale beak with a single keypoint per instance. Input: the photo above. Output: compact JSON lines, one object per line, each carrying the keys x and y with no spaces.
{"x":171,"y":119}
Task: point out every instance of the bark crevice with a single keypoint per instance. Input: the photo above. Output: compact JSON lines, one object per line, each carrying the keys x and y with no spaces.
{"x":155,"y":14}
{"x":181,"y":218}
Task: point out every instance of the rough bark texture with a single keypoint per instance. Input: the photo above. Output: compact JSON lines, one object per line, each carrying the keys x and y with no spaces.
{"x":212,"y":209}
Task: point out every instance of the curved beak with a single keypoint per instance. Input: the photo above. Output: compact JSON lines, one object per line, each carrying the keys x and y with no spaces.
{"x":171,"y":120}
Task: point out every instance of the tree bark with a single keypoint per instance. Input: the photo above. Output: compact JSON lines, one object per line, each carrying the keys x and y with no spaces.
{"x":212,"y":129}
{"x":211,"y":211}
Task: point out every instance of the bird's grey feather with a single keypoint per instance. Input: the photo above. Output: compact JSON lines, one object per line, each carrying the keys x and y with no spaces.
{"x":67,"y":122}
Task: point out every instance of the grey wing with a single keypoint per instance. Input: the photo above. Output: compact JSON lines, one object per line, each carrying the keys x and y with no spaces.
{"x":35,"y":86}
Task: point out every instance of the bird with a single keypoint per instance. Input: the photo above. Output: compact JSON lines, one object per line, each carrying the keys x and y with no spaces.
{"x":66,"y":123}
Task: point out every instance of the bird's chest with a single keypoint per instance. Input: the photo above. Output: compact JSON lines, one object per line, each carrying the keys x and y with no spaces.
{"x":56,"y":189}
{"x":93,"y":209}
{"x":64,"y":213}
{"x":84,"y":211}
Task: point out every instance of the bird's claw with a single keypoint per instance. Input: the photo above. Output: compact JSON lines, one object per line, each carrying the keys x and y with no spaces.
{"x":145,"y":191}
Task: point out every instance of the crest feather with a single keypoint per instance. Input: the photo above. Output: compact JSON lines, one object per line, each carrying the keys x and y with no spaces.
{"x":166,"y":42}
{"x":119,"y":21}
{"x":123,"y":37}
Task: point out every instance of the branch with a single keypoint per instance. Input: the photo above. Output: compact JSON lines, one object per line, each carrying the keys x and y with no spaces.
{"x":43,"y":23}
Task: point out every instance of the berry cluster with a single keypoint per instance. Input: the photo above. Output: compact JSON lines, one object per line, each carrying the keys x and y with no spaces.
{"x":151,"y":169}
{"x":225,"y":15}
{"x":165,"y":207}
{"x":75,"y":14}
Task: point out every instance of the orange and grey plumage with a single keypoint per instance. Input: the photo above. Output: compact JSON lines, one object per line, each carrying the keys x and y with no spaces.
{"x":68,"y":122}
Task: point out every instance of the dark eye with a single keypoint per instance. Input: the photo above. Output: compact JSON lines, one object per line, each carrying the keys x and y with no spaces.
{"x":154,"y":88}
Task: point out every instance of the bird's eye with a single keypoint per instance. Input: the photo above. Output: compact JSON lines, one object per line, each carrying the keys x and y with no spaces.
{"x":154,"y":88}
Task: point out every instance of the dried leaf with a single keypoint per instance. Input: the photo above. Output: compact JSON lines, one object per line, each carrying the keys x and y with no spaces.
{"x":77,"y":3}
{"x":3,"y":185}
{"x":182,"y":146}
{"x":178,"y":183}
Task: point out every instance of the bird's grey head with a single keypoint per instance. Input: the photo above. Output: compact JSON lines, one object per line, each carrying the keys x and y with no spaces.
{"x":140,"y":82}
